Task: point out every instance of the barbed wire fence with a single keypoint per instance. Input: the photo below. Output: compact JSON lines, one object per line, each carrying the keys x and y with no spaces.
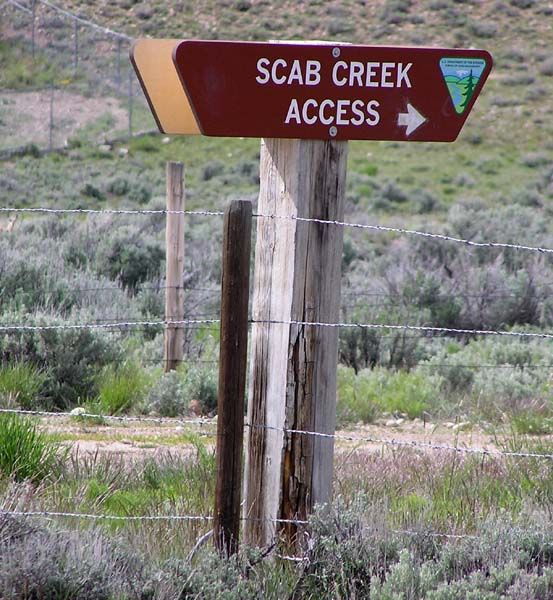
{"x":206,"y":427}
{"x":84,"y":88}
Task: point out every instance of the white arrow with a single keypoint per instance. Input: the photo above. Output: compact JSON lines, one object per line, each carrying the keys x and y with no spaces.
{"x":412,"y":119}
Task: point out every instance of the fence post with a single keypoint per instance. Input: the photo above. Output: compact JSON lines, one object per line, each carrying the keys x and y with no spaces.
{"x":33,"y":18}
{"x":232,"y":374}
{"x":293,"y":367}
{"x":129,"y":101}
{"x":51,"y":121}
{"x":174,"y":248}
{"x":118,"y":72}
{"x":76,"y":47}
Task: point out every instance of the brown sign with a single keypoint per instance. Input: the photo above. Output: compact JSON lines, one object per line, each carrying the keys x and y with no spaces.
{"x":330,"y":91}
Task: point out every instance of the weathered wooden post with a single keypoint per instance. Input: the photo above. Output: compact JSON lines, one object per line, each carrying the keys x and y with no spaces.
{"x":293,"y":368}
{"x":33,"y":27}
{"x":75,"y":46}
{"x":232,"y":374}
{"x":174,"y":248}
{"x":306,"y":99}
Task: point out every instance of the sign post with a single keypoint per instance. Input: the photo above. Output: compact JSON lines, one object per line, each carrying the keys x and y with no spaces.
{"x":305,"y":100}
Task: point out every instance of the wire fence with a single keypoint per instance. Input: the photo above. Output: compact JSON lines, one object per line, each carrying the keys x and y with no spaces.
{"x":202,"y":424}
{"x":206,"y":427}
{"x":209,"y":518}
{"x":86,"y":87}
{"x":370,"y":227}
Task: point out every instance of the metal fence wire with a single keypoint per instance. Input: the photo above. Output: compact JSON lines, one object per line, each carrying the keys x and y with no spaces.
{"x":84,"y":86}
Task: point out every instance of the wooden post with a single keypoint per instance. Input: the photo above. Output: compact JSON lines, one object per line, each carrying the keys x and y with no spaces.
{"x":118,"y":72}
{"x":232,"y":374}
{"x":174,"y":248}
{"x":129,"y":101}
{"x":33,"y":25}
{"x":51,"y":120}
{"x":76,"y":47}
{"x":293,"y":368}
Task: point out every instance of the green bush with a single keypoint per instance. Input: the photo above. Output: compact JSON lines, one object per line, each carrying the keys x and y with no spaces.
{"x":21,"y":384}
{"x":130,"y":260}
{"x":69,"y":358}
{"x":352,"y":405}
{"x":121,"y":389}
{"x":167,"y":396}
{"x":212,"y":169}
{"x":33,"y":286}
{"x":362,"y":397}
{"x":25,"y":453}
{"x":172,"y":394}
{"x":201,"y":384}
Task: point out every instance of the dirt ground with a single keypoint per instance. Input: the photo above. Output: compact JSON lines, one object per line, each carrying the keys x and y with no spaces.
{"x":25,"y":116}
{"x":136,"y":440}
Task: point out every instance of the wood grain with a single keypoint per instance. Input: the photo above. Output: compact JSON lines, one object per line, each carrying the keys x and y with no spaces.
{"x":293,"y":368}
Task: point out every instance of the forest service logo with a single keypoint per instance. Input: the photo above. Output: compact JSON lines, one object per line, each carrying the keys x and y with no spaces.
{"x":462,"y":76}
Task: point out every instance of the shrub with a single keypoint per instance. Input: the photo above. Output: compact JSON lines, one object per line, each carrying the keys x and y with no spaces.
{"x":33,"y":285}
{"x":25,"y":453}
{"x":69,"y":358}
{"x":546,"y":68}
{"x":92,"y":192}
{"x":130,"y":260}
{"x":212,"y":169}
{"x":201,"y":384}
{"x":523,"y":3}
{"x":167,"y":396}
{"x":59,"y":565}
{"x":121,"y":389}
{"x":483,"y":29}
{"x":352,"y":554}
{"x":361,"y":397}
{"x":22,"y":384}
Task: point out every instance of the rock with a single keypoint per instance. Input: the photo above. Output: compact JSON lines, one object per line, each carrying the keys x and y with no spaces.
{"x":165,"y":140}
{"x":78,"y":411}
{"x":123,"y":151}
{"x":394,"y":422}
{"x":461,"y":426}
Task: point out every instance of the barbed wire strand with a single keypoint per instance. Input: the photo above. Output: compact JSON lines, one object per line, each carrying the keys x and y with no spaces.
{"x":186,"y":322}
{"x":112,"y":211}
{"x":380,"y":228}
{"x":402,"y":230}
{"x":120,"y":418}
{"x":18,"y":6}
{"x":426,"y":328}
{"x":337,"y":436}
{"x":122,"y":324}
{"x":46,"y":513}
{"x":131,"y":518}
{"x":408,"y":443}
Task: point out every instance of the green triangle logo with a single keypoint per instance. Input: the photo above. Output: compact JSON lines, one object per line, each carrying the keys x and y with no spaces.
{"x":461,"y":76}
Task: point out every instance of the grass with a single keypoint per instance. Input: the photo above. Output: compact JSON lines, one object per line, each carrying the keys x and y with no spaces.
{"x":378,"y":495}
{"x":25,"y":452}
{"x":121,"y":389}
{"x":20,"y":384}
{"x":363,"y":397}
